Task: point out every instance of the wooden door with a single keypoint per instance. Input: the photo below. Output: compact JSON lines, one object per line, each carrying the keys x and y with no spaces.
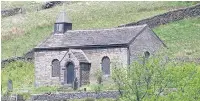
{"x":69,"y":73}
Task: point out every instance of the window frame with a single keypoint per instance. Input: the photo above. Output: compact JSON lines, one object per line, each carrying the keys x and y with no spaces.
{"x":55,"y":69}
{"x":103,"y":71}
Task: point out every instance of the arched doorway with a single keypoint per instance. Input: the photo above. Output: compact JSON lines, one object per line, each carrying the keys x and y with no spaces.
{"x":69,"y":73}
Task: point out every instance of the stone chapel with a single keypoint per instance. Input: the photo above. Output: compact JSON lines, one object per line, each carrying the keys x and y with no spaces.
{"x":68,"y":54}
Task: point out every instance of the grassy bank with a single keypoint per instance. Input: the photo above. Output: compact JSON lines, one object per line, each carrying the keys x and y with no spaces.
{"x":181,"y":37}
{"x":36,"y":26}
{"x":23,"y":32}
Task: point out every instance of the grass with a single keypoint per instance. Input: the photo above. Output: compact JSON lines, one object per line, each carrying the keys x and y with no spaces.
{"x":23,"y":4}
{"x":33,"y":27}
{"x":22,"y":75}
{"x":23,"y":32}
{"x":181,"y":37}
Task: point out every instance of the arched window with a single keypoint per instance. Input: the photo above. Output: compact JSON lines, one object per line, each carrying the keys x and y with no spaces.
{"x":55,"y":68}
{"x":146,"y":54}
{"x":105,"y":65}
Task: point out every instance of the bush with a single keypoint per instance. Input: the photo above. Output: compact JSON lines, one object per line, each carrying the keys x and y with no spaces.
{"x":156,"y":80}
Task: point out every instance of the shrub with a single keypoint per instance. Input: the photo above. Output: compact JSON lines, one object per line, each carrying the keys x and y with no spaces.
{"x":156,"y":80}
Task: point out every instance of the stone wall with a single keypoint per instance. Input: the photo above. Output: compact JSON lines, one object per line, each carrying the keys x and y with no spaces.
{"x":19,"y":10}
{"x":29,"y":56}
{"x":168,"y":17}
{"x":10,"y":12}
{"x":118,"y":57}
{"x":185,"y":59}
{"x":43,"y":66}
{"x":146,"y":41}
{"x":13,"y":97}
{"x":9,"y":60}
{"x":51,"y":4}
{"x":77,"y":95}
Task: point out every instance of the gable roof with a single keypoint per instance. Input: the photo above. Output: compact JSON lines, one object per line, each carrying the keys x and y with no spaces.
{"x":80,"y":55}
{"x":62,"y":17}
{"x":87,"y":38}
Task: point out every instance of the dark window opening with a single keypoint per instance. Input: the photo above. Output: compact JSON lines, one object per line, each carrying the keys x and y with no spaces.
{"x":146,"y":54}
{"x":59,"y":27}
{"x":55,"y":68}
{"x":105,"y":65}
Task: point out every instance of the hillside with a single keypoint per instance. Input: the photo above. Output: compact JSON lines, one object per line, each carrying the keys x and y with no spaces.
{"x":33,"y":27}
{"x":181,"y":37}
{"x":22,"y":32}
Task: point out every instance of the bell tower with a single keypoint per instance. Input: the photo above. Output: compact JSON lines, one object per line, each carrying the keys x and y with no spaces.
{"x":62,"y":24}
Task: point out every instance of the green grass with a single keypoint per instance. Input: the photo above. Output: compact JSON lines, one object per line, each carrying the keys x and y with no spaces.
{"x":20,"y":45}
{"x":22,"y":75}
{"x":33,"y":27}
{"x":181,"y":37}
{"x":23,"y":32}
{"x":29,"y":6}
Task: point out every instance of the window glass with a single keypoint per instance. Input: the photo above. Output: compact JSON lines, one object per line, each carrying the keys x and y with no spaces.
{"x":106,"y":65}
{"x":55,"y":68}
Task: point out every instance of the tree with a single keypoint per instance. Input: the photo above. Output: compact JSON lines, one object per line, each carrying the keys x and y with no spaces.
{"x":144,"y":80}
{"x":154,"y":79}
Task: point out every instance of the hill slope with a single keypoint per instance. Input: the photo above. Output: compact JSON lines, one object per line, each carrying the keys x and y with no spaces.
{"x":181,"y":37}
{"x":20,"y":33}
{"x":23,"y":32}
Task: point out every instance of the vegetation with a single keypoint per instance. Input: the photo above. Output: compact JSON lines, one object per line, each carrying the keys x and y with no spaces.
{"x":29,"y":6}
{"x":181,"y":37}
{"x":154,"y":80}
{"x":22,"y":75}
{"x":92,"y":99}
{"x":33,"y":27}
{"x":23,"y":32}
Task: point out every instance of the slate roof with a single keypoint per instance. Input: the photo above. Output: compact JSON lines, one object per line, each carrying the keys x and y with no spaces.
{"x":62,"y":17}
{"x":83,"y":38}
{"x":80,"y":56}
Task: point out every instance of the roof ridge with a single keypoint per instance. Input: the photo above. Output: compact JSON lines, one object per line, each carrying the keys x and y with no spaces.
{"x":144,"y":25}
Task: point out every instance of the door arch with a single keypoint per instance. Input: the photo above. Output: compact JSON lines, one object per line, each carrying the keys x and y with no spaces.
{"x":69,"y":73}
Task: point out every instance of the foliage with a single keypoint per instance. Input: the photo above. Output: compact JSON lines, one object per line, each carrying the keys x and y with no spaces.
{"x":182,"y":38}
{"x":92,"y":99}
{"x":21,"y":73}
{"x":89,"y":99}
{"x":157,"y":80}
{"x":45,"y":89}
{"x":98,"y":75}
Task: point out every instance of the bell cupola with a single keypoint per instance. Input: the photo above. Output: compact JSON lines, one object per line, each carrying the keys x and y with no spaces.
{"x":62,"y":24}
